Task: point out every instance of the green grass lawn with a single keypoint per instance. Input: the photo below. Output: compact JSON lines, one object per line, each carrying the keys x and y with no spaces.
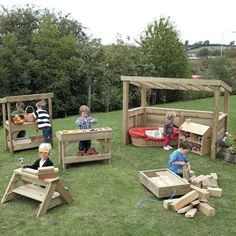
{"x":108,"y":198}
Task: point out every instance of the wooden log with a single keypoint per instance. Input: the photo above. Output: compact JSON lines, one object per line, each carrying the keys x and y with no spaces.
{"x":166,"y":203}
{"x":184,"y":200}
{"x":184,"y":209}
{"x":203,"y":193}
{"x":215,"y":192}
{"x":206,"y":209}
{"x":191,"y":213}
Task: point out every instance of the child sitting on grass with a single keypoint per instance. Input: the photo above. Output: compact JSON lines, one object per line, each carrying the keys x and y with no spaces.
{"x":85,"y":122}
{"x":44,"y":152}
{"x":178,"y":158}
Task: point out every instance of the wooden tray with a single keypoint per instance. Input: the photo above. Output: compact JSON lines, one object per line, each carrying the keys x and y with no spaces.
{"x":164,"y":183}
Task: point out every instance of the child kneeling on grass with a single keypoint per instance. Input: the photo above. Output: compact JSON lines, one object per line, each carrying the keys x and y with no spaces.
{"x":44,"y":152}
{"x":178,"y":158}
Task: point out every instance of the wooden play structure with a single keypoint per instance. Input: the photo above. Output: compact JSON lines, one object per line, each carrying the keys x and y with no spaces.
{"x":12,"y":143}
{"x":68,"y":138}
{"x":144,"y":116}
{"x":50,"y":192}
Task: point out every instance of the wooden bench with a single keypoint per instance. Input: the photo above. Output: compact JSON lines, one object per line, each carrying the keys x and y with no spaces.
{"x":50,"y":192}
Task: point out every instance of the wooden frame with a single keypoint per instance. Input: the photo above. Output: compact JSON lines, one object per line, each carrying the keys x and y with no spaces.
{"x":164,"y":183}
{"x":66,"y":139}
{"x":145,"y":116}
{"x":50,"y":192}
{"x":10,"y":128}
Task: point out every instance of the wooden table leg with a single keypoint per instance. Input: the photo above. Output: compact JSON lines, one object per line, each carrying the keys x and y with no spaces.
{"x":9,"y":195}
{"x":63,"y":192}
{"x":48,"y":196}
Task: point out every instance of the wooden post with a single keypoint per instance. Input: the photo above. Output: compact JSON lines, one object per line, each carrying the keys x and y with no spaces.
{"x":226,"y":107}
{"x":10,"y":135}
{"x":215,"y":121}
{"x":4,"y":122}
{"x":143,"y":104}
{"x":125,"y":138}
{"x":50,"y":117}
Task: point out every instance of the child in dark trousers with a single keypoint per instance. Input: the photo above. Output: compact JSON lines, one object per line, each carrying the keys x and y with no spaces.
{"x":44,"y":152}
{"x":85,"y":122}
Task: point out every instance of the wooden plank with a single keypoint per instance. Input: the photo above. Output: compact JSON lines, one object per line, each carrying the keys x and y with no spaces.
{"x":28,"y":97}
{"x":191,"y":213}
{"x":185,"y":209}
{"x":215,"y":192}
{"x":65,"y":194}
{"x":166,"y":203}
{"x":206,"y":209}
{"x":196,"y":202}
{"x":50,"y":189}
{"x":9,"y":195}
{"x":203,"y":193}
{"x":30,"y":171}
{"x":184,"y":200}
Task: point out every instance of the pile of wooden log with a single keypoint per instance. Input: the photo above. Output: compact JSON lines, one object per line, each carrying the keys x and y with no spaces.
{"x":202,"y":187}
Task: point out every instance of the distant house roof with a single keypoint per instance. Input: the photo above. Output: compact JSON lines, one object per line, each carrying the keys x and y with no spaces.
{"x":177,"y":84}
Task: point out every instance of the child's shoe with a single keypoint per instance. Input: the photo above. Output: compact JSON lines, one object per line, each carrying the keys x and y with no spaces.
{"x":169,"y":146}
{"x":166,"y":148}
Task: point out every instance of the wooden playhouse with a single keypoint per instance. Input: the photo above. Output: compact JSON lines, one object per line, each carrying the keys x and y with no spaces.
{"x":144,"y":116}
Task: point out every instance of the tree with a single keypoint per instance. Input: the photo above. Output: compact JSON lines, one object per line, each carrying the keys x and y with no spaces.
{"x":163,"y":54}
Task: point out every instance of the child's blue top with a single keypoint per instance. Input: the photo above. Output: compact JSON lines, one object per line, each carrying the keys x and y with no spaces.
{"x":177,"y":156}
{"x":85,"y":122}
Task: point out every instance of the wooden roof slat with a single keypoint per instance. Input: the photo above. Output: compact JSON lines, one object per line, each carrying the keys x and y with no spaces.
{"x":177,"y":83}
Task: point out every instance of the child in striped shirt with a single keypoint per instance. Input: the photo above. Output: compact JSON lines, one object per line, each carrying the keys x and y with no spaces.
{"x":42,"y":117}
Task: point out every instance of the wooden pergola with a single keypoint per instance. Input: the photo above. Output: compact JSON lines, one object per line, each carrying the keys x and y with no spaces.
{"x":145,"y":83}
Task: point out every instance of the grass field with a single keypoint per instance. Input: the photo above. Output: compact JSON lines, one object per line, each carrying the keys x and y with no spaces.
{"x":109,"y":200}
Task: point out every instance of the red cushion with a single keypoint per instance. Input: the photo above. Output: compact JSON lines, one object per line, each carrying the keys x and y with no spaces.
{"x":140,"y":133}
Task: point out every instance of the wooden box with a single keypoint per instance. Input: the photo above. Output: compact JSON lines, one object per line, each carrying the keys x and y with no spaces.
{"x":164,"y":183}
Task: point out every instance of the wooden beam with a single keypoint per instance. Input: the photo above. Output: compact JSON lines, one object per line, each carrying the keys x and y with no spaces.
{"x":143,"y":104}
{"x":215,"y":122}
{"x":125,"y":138}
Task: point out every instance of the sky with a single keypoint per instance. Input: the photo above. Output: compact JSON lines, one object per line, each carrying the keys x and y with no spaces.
{"x":213,"y":20}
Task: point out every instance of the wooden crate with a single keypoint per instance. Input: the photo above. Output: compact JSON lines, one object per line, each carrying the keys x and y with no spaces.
{"x":164,"y":183}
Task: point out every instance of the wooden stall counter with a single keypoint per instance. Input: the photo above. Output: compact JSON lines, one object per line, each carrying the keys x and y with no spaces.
{"x":50,"y":192}
{"x":67,"y":138}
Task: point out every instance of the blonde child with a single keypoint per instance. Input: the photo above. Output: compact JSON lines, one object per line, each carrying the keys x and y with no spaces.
{"x":44,"y":152}
{"x":168,"y":129}
{"x":85,"y":122}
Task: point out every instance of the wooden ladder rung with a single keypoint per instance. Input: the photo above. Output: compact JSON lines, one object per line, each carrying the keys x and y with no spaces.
{"x":33,"y":191}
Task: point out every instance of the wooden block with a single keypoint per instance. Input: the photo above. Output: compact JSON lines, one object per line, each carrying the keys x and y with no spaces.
{"x":47,"y":172}
{"x":215,"y":192}
{"x":214,"y":176}
{"x":203,"y":200}
{"x":184,"y":200}
{"x":166,"y":203}
{"x":192,"y":173}
{"x":192,"y":178}
{"x":184,"y":209}
{"x":212,"y":183}
{"x":30,"y":171}
{"x":206,"y":209}
{"x":196,"y":202}
{"x":203,"y":193}
{"x":200,"y":178}
{"x":191,"y":213}
{"x":48,"y":169}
